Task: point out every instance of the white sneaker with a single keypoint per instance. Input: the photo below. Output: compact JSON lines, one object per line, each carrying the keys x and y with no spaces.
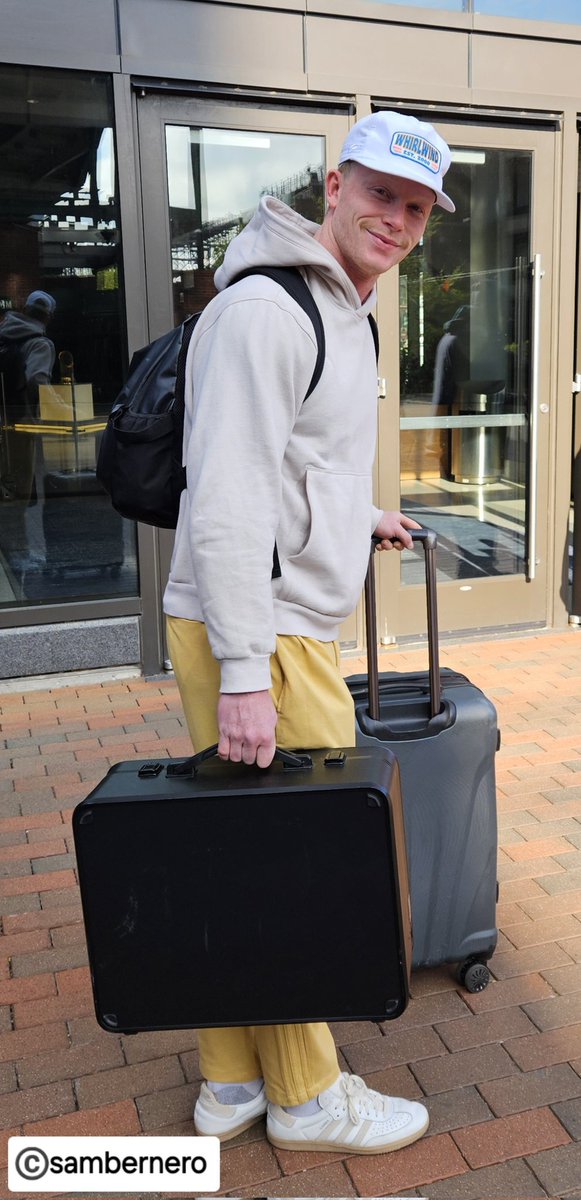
{"x":352,"y":1117}
{"x":225,"y":1121}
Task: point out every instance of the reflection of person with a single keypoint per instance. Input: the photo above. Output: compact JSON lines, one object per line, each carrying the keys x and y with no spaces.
{"x":27,"y":357}
{"x":266,"y":467}
{"x":451,"y":364}
{"x":451,"y":368}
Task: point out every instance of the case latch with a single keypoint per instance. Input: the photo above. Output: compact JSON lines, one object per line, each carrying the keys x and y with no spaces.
{"x":150,"y":770}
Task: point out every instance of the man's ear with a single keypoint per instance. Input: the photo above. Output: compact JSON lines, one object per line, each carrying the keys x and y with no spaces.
{"x":333,"y":185}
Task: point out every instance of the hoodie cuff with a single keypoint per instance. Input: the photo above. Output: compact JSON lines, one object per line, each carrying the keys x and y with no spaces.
{"x":376,"y":515}
{"x":246,"y":674}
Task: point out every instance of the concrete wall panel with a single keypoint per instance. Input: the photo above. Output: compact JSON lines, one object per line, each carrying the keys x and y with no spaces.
{"x":72,"y":33}
{"x":71,"y":646}
{"x":385,"y":60}
{"x":522,"y":67}
{"x":213,"y":42}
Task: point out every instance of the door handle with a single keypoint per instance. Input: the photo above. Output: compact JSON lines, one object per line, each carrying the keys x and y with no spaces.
{"x":537,"y":275}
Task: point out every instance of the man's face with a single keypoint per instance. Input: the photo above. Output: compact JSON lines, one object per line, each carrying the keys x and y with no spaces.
{"x":374,"y":221}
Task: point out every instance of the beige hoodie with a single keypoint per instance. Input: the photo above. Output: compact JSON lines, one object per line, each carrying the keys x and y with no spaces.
{"x":264,"y":465}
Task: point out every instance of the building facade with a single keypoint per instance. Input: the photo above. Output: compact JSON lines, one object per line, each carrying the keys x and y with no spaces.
{"x":137,"y":137}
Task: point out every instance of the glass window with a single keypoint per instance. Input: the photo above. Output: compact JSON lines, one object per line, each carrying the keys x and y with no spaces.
{"x":567,"y":11}
{"x":61,"y":343}
{"x":215,"y":180}
{"x":562,"y":11}
{"x":464,"y":369}
{"x":447,"y":5}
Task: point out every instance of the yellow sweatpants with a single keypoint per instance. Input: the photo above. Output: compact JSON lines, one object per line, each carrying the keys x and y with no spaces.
{"x":314,"y":710}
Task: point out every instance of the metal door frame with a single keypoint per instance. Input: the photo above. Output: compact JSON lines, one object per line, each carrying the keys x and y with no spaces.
{"x":500,"y":601}
{"x":152,"y":111}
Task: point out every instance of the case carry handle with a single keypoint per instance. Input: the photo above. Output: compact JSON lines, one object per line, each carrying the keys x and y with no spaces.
{"x":291,"y":762}
{"x":429,"y":541}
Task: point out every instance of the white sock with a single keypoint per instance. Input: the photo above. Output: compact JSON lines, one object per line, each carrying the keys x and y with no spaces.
{"x":303,"y":1110}
{"x":235,"y":1093}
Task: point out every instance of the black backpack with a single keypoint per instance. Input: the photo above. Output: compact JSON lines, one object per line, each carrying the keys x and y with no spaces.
{"x":140,"y":457}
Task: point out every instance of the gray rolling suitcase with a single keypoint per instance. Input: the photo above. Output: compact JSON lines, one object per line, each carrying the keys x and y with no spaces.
{"x":444,"y":733}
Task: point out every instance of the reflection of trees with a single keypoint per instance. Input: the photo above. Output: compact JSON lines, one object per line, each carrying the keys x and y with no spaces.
{"x":442,"y":295}
{"x":303,"y":191}
{"x":202,"y":245}
{"x":217,"y":245}
{"x":196,"y":246}
{"x":429,"y":298}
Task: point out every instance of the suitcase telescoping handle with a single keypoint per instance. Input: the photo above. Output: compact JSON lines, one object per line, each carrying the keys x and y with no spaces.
{"x":428,"y":539}
{"x":291,"y":762}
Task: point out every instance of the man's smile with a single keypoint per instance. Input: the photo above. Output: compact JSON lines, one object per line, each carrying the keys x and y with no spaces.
{"x":385,"y":241}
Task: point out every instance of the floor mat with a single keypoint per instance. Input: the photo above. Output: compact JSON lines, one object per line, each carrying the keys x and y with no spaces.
{"x":467,"y":547}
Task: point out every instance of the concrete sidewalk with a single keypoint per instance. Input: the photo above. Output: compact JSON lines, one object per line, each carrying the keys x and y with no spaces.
{"x":500,"y":1071}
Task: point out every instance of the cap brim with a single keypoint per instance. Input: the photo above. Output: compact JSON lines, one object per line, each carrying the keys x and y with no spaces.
{"x":444,"y":202}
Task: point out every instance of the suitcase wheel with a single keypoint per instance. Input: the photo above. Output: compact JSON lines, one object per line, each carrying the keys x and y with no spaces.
{"x":473,"y":975}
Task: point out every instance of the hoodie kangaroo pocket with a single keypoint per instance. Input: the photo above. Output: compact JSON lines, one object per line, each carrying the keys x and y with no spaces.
{"x":327,"y":573}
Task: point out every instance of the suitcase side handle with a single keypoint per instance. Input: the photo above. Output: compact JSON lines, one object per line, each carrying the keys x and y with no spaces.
{"x":291,"y":762}
{"x":429,"y":541}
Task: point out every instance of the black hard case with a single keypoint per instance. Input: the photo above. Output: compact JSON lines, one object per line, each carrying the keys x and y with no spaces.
{"x":444,"y":732}
{"x":243,"y":896}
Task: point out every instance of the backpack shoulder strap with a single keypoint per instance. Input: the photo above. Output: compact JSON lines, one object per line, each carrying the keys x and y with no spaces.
{"x":375,"y":333}
{"x":293,"y":283}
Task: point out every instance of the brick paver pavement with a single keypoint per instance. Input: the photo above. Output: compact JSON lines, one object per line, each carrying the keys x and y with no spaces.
{"x":500,"y":1071}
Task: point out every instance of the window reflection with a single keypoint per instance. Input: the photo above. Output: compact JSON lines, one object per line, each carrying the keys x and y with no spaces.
{"x":215,"y":180}
{"x":562,"y":11}
{"x":464,"y":369}
{"x":61,"y":361}
{"x":447,"y":5}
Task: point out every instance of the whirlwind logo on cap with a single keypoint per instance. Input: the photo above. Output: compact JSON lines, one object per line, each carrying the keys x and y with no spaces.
{"x":408,"y":145}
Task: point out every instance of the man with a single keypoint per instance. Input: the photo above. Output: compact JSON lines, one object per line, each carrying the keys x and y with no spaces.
{"x":27,"y":358}
{"x":256,"y":657}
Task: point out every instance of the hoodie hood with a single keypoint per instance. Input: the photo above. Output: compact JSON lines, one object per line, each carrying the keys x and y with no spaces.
{"x":16,"y":327}
{"x":278,"y":236}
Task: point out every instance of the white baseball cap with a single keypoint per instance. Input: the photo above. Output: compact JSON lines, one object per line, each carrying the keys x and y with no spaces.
{"x":401,"y":145}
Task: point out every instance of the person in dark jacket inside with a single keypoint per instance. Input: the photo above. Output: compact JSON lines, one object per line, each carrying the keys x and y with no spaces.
{"x":27,"y":358}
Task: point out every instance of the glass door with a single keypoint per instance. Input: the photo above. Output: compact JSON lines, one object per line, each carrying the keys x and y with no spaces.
{"x":471,"y":310}
{"x":204,"y":167}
